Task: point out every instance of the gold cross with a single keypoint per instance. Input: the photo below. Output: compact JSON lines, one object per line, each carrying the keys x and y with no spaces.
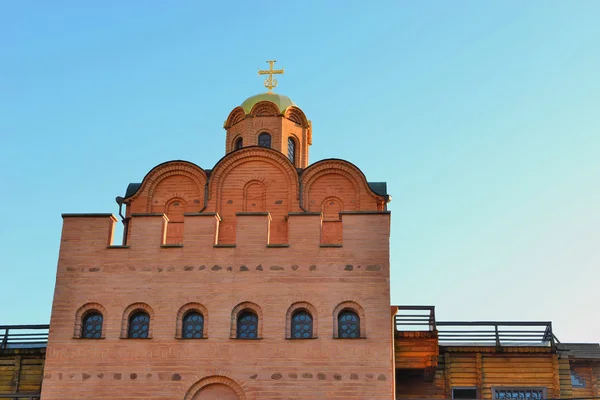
{"x":271,"y":82}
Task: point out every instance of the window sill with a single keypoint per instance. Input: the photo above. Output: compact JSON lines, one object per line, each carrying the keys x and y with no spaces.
{"x":117,"y":246}
{"x":84,"y":338}
{"x":278,"y":245}
{"x":198,"y":338}
{"x":224,"y":246}
{"x":246,"y":339}
{"x":310,"y":338}
{"x":131,"y":338}
{"x":331,"y":245}
{"x":171,"y":246}
{"x":347,"y":338}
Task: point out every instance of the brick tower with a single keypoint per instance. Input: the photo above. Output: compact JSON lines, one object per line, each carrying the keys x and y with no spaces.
{"x":261,"y":278}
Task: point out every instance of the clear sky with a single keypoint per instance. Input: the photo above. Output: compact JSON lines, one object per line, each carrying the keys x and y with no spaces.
{"x":482,"y":116}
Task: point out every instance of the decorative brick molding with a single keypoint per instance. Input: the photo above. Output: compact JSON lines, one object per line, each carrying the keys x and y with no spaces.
{"x":188,"y":308}
{"x":301,"y":305}
{"x":246,"y":306}
{"x":129,"y":312}
{"x":82,"y":312}
{"x":296,"y":115}
{"x":212,"y":380}
{"x":352,"y":306}
{"x":236,"y":115}
{"x":265,"y":109}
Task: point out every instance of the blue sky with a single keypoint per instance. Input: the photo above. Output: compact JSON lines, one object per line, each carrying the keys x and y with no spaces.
{"x":483,"y":117}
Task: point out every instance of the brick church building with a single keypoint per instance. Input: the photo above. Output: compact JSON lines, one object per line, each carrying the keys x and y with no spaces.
{"x":264,"y":277}
{"x":261,"y":277}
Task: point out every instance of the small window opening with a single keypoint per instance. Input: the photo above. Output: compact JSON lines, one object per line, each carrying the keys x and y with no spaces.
{"x":264,"y":140}
{"x":464,"y":394}
{"x":239,"y":144}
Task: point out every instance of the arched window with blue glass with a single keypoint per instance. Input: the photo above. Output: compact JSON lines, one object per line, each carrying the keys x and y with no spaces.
{"x":302,"y":325}
{"x":247,"y":325}
{"x":139,"y":325}
{"x":264,"y":140}
{"x":193,"y":325}
{"x":348,"y":325}
{"x":91,"y":325}
{"x":349,"y":321}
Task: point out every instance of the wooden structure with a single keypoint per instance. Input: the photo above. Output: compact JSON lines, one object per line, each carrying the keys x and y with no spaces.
{"x":22,"y":355}
{"x":488,"y":360}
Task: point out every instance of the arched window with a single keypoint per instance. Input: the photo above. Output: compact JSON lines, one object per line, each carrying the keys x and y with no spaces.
{"x":302,"y":325}
{"x":348,"y":325}
{"x":247,"y":325}
{"x":139,"y":325}
{"x":264,"y":140}
{"x":91,"y":325}
{"x":193,"y":325}
{"x":292,"y":150}
{"x":239,"y":143}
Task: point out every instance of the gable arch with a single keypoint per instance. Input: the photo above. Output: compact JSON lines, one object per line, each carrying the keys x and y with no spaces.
{"x":247,"y":154}
{"x":336,"y":167}
{"x":163,"y":171}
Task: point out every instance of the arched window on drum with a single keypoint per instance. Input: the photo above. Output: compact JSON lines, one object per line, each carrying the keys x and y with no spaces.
{"x":292,"y":150}
{"x":264,"y":140}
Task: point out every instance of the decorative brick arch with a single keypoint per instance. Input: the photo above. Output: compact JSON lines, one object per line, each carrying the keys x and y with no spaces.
{"x":296,"y":115}
{"x":339,"y":167}
{"x":331,"y":211}
{"x":212,"y":380}
{"x":132,"y":309}
{"x":246,"y":306}
{"x":184,"y":310}
{"x":236,"y":115}
{"x":166,"y":170}
{"x":301,"y":305}
{"x":265,"y":109}
{"x":83,"y":311}
{"x":352,"y":306}
{"x":247,"y":154}
{"x":255,"y":188}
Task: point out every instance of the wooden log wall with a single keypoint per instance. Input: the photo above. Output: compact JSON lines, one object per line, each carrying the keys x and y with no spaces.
{"x":488,"y":370}
{"x":21,"y":372}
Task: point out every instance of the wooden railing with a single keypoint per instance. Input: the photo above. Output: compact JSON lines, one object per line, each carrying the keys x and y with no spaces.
{"x":23,"y":336}
{"x":28,"y":396}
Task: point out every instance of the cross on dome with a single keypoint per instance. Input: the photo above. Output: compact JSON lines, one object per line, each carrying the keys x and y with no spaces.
{"x":271,"y":82}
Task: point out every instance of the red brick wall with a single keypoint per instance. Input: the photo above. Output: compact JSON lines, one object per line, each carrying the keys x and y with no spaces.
{"x":220,"y":278}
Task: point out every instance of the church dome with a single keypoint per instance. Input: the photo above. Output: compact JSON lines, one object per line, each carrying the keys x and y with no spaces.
{"x":282,"y":102}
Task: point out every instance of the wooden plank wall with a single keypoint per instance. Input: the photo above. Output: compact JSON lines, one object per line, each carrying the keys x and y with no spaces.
{"x":21,"y":373}
{"x":487,"y":370}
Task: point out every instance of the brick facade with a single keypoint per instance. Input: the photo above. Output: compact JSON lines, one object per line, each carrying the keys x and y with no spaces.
{"x":256,"y":233}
